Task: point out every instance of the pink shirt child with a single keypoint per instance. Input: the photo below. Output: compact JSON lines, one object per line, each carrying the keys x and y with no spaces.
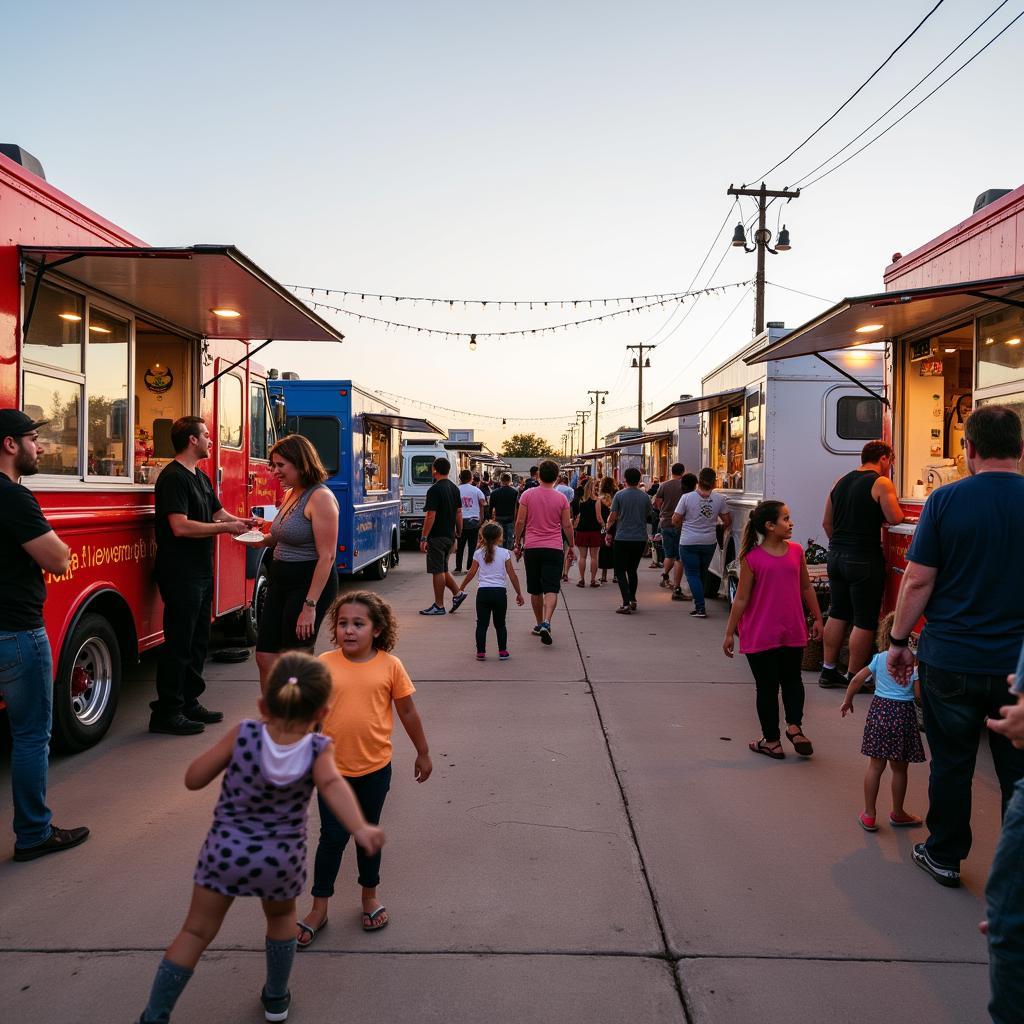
{"x":774,"y":616}
{"x":543,"y":517}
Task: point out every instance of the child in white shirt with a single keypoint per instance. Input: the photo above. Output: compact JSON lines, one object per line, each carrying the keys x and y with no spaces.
{"x":492,"y":563}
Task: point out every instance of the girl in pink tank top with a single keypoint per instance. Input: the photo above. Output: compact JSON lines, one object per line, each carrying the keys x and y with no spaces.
{"x":769,"y":616}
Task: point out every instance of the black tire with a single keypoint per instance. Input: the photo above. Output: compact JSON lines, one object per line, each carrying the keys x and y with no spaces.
{"x":88,"y":684}
{"x":250,"y":615}
{"x":380,"y":568}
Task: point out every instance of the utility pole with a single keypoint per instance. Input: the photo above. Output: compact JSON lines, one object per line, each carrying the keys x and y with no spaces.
{"x":639,"y":364}
{"x":596,"y":400}
{"x":582,"y":415}
{"x":761,"y":239}
{"x":572,"y":438}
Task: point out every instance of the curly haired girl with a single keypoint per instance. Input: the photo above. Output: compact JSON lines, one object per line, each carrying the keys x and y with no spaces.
{"x":366,"y":682}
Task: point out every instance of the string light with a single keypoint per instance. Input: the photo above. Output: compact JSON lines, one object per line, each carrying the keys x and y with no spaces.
{"x":528,"y":331}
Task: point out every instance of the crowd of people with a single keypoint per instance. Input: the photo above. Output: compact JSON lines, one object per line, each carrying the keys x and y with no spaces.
{"x":325,"y":723}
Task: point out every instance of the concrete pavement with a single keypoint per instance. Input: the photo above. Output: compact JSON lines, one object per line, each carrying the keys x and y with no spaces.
{"x":596,"y":844}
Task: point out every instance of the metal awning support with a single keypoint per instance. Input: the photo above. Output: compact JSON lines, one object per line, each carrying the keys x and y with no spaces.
{"x":40,"y":273}
{"x":850,"y":377}
{"x":238,"y":362}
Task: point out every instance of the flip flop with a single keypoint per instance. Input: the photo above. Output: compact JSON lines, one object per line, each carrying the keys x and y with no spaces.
{"x":802,"y":746}
{"x":372,"y":918}
{"x":299,"y":944}
{"x":761,"y":747}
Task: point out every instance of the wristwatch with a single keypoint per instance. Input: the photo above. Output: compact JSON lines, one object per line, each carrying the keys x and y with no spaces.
{"x":897,"y":642}
{"x":309,"y":604}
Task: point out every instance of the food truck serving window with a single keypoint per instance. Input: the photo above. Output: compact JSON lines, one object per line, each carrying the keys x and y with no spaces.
{"x":376,"y":456}
{"x":107,"y":388}
{"x":726,"y":448}
{"x":261,"y":423}
{"x":1001,"y":348}
{"x":755,"y":428}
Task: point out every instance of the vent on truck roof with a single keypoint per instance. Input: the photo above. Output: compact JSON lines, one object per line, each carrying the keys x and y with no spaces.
{"x":990,"y":196}
{"x":23,"y":157}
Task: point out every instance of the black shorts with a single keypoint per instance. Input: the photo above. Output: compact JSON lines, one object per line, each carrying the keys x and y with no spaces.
{"x":856,"y":581}
{"x":286,"y":591}
{"x":543,"y":570}
{"x":438,"y":550}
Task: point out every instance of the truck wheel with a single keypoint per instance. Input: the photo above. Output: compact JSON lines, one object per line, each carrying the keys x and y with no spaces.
{"x":380,"y":568}
{"x":88,"y":684}
{"x":251,"y":616}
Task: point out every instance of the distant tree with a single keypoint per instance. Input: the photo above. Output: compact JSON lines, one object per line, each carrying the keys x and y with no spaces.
{"x":527,"y":446}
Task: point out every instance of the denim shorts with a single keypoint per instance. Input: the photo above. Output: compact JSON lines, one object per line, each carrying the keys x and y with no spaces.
{"x":856,"y":581}
{"x":670,"y":541}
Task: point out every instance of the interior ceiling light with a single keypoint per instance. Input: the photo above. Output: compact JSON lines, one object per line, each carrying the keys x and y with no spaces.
{"x":870,"y":328}
{"x":99,"y":330}
{"x":1013,"y":341}
{"x":990,"y":341}
{"x":948,"y":350}
{"x":226,"y":314}
{"x":73,"y":318}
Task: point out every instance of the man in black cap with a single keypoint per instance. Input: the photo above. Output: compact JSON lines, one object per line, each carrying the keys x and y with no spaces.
{"x":28,"y":546}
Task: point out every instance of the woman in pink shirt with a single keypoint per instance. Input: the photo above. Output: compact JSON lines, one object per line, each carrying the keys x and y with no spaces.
{"x":769,"y":615}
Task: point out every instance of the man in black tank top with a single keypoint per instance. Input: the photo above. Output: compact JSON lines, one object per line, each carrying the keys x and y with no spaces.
{"x":859,"y":503}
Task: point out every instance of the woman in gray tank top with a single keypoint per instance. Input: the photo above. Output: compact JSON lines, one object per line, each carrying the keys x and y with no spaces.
{"x":304,"y":537}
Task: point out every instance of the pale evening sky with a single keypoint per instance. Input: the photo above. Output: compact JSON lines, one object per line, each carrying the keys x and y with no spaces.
{"x":536,"y":150}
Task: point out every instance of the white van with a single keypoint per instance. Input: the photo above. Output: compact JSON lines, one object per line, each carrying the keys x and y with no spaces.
{"x":417,"y":460}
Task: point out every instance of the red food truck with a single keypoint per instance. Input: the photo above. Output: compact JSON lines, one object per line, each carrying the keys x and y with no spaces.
{"x":111,"y":340}
{"x":952,"y":323}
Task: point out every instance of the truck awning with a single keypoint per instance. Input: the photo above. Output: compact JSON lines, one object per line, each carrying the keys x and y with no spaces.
{"x":888,"y":315}
{"x":182,"y":287}
{"x":411,"y":423}
{"x":628,"y":442}
{"x":699,"y":403}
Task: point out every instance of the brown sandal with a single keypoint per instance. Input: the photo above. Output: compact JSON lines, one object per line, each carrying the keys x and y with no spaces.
{"x":763,"y":746}
{"x":802,"y":745}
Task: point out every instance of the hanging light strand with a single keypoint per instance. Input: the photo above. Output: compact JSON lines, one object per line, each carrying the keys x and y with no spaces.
{"x":486,"y":416}
{"x":527,"y":331}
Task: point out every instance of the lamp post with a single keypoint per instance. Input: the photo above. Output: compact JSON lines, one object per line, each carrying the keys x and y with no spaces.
{"x":762,"y":240}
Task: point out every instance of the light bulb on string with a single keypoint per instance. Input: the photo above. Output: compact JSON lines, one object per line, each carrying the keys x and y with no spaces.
{"x":472,"y":343}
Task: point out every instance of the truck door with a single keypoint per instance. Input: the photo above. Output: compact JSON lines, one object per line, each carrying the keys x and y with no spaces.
{"x":231,"y":485}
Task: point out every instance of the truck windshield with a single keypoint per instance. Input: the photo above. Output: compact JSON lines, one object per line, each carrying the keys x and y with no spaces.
{"x":420,"y":468}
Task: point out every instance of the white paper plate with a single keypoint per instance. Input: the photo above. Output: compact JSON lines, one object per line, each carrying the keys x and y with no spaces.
{"x":251,"y":537}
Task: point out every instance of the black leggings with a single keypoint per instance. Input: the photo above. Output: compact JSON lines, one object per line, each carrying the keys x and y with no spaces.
{"x":627,"y":555}
{"x":467,"y":539}
{"x":371,"y":791}
{"x":774,"y":669}
{"x":491,"y":601}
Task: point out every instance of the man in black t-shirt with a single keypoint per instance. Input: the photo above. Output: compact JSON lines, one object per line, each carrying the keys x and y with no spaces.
{"x":442,"y":524}
{"x":188,"y":517}
{"x":501,"y":507}
{"x":28,"y":547}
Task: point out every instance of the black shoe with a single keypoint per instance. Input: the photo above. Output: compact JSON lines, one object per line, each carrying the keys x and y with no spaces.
{"x":197,"y":713}
{"x":832,"y":679}
{"x":678,"y":595}
{"x":949,"y":877}
{"x":174,"y":725}
{"x":275,"y":1008}
{"x":60,"y":839}
{"x":699,"y":613}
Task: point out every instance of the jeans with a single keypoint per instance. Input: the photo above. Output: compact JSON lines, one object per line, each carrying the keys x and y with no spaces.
{"x":26,"y":679}
{"x":627,"y":555}
{"x":1005,"y":897}
{"x":956,"y":705}
{"x":179,"y":666}
{"x":467,"y":539}
{"x":772,"y":670}
{"x":491,"y":601}
{"x":508,"y":528}
{"x":371,"y":791}
{"x":696,"y":560}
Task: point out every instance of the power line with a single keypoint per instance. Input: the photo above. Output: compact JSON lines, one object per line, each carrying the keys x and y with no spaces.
{"x":923,"y":100}
{"x":919,"y":82}
{"x":850,"y":98}
{"x":482,"y":415}
{"x":796,"y":291}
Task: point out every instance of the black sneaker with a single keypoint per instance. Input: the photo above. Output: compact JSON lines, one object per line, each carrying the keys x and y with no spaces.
{"x":276,"y":1007}
{"x":174,"y":725}
{"x":458,"y":599}
{"x":197,"y":713}
{"x":60,"y":839}
{"x":698,"y":613}
{"x":434,"y":609}
{"x":832,"y":679}
{"x":949,"y":877}
{"x":545,"y":633}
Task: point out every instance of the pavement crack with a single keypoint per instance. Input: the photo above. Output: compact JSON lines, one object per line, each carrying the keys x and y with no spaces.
{"x":666,"y":953}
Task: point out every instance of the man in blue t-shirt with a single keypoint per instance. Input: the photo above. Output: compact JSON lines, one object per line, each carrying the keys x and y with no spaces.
{"x":964,"y":569}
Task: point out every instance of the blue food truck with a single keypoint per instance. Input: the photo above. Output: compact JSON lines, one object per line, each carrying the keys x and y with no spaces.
{"x":358,"y":437}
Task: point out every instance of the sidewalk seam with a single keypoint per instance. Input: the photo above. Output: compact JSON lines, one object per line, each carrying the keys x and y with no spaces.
{"x":667,"y":955}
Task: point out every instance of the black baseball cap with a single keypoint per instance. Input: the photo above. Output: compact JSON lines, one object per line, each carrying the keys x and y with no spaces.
{"x":14,"y":423}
